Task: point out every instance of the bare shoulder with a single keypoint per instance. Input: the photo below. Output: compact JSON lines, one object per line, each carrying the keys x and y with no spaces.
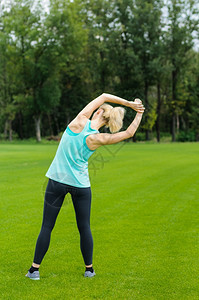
{"x":96,"y":140}
{"x":78,"y":123}
{"x":91,"y":141}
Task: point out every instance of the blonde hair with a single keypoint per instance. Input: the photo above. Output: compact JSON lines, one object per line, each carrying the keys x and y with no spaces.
{"x":114,"y":117}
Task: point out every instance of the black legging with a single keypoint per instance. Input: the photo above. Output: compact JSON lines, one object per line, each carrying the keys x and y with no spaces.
{"x":54,"y":197}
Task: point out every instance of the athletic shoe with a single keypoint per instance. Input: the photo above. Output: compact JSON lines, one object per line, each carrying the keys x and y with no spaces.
{"x":34,"y":276}
{"x":89,"y":274}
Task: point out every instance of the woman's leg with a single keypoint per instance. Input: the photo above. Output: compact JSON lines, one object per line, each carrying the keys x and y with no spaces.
{"x":54,"y":197}
{"x":82,"y":203}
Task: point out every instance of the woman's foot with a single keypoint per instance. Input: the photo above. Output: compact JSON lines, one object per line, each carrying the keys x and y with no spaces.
{"x":89,"y":272}
{"x":34,"y":275}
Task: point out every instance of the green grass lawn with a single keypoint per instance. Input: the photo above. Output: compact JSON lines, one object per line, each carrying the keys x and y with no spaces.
{"x":144,"y":221}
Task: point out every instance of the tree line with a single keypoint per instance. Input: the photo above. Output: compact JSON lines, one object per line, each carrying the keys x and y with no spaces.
{"x":53,"y":63}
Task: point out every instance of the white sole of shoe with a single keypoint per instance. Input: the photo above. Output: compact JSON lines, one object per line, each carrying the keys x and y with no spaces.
{"x":32,"y":278}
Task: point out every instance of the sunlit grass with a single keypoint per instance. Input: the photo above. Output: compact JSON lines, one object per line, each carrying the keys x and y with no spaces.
{"x":144,"y":221}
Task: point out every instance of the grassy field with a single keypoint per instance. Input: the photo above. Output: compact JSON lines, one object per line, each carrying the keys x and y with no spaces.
{"x":144,"y":221}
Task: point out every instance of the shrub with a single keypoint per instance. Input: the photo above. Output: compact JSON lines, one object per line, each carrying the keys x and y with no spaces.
{"x":140,"y":136}
{"x":186,"y":136}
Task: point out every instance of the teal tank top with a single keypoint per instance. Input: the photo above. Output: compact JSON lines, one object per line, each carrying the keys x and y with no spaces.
{"x":70,"y":164}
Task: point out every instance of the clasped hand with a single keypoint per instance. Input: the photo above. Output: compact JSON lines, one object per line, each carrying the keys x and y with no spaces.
{"x":137,"y":105}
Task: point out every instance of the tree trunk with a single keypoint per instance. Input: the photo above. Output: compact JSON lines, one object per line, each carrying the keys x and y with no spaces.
{"x":6,"y":130}
{"x":183,"y":123}
{"x":174,"y":83}
{"x":50,"y":124}
{"x":56,"y":123}
{"x":38,"y":127}
{"x":10,"y":130}
{"x":146,"y":106}
{"x":134,"y":138}
{"x":158,"y":113}
{"x":23,"y":61}
{"x":173,"y":127}
{"x":177,"y":123}
{"x":20,"y":127}
{"x":102,"y":71}
{"x":197,"y":136}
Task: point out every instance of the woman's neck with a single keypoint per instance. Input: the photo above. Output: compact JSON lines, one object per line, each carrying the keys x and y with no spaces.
{"x":97,"y":123}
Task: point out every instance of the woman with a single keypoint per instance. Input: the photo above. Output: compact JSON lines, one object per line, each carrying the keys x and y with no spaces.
{"x":68,"y":172}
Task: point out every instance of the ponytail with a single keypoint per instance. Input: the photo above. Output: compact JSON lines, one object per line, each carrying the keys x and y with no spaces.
{"x":113,"y":116}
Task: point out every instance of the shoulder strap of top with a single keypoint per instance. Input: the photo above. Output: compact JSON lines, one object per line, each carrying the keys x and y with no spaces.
{"x":70,"y":132}
{"x":87,"y":128}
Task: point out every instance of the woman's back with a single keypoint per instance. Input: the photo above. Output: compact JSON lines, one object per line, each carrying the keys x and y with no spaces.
{"x":70,"y":164}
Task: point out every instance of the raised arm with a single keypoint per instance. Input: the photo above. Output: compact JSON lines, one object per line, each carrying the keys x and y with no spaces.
{"x":94,"y":141}
{"x":136,"y":105}
{"x":97,"y":102}
{"x":92,"y":106}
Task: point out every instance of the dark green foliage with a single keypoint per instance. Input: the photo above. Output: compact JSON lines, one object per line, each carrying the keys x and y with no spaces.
{"x":140,"y":136}
{"x":52,"y":64}
{"x":186,"y":136}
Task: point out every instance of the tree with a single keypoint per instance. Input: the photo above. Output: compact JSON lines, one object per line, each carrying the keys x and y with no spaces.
{"x":67,"y":32}
{"x":136,"y":49}
{"x":147,"y":33}
{"x":39,"y":83}
{"x":190,"y":95}
{"x":8,"y":79}
{"x":181,"y":25}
